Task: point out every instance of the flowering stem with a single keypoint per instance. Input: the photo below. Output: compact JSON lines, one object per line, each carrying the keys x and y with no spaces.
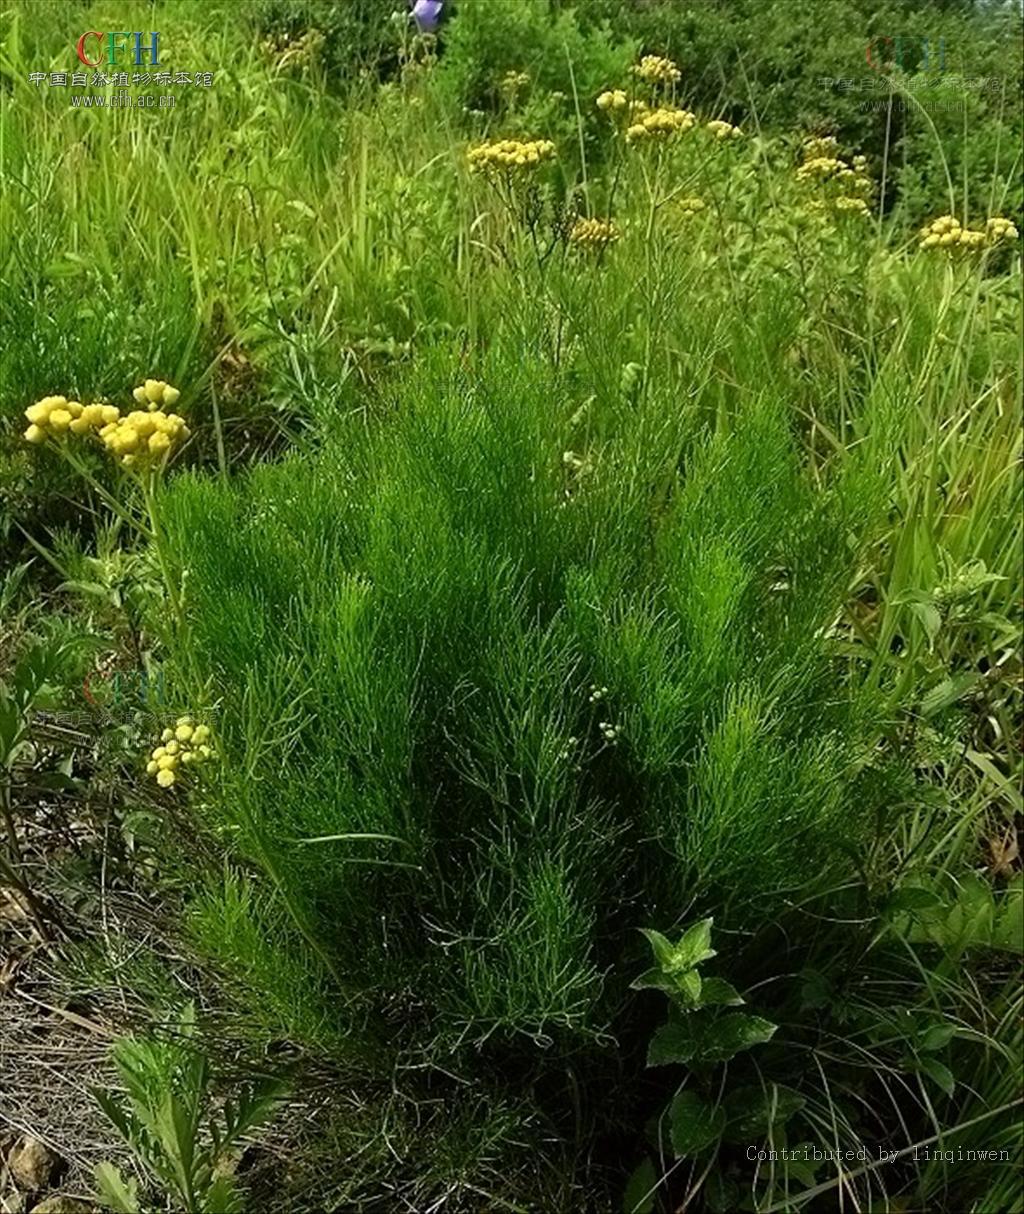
{"x":108,"y":498}
{"x":147,"y":482}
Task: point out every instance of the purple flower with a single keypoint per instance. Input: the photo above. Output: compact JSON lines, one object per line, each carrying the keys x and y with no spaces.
{"x":427,"y":15}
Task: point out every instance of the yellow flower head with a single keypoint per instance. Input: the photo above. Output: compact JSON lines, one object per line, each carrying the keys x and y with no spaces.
{"x":56,"y":415}
{"x":1000,"y":231}
{"x":512,"y":82}
{"x":594,"y":233}
{"x":820,"y":168}
{"x":948,"y":233}
{"x":155,"y":394}
{"x":723,"y":130}
{"x":509,"y":156}
{"x":842,"y":186}
{"x":661,"y":123}
{"x":971,"y":239}
{"x":820,"y":147}
{"x":853,"y":206}
{"x":653,"y":69}
{"x":144,"y":439}
{"x":39,"y":413}
{"x":690,"y":206}
{"x":184,"y":746}
{"x":612,"y":101}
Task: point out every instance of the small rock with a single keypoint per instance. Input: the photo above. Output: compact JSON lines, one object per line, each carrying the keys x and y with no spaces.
{"x":13,"y":1202}
{"x":32,"y":1163}
{"x":58,"y":1203}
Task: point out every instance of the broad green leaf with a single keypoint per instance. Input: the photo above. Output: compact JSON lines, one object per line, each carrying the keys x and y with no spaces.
{"x":755,"y":1110}
{"x":693,"y":1124}
{"x":930,"y":617}
{"x":938,"y":1073}
{"x":114,"y":1192}
{"x":716,"y":992}
{"x":671,"y":1043}
{"x":222,"y":1197}
{"x":688,"y":985}
{"x":1008,"y":931}
{"x":799,"y":1170}
{"x":721,"y":1194}
{"x":1008,"y":784}
{"x":815,"y":990}
{"x":654,"y":979}
{"x":12,"y":730}
{"x":254,"y":1105}
{"x":115,"y":1114}
{"x":813,"y":1166}
{"x":948,"y":692}
{"x":639,"y":1196}
{"x":731,"y":1035}
{"x":912,"y":898}
{"x":937,"y":1037}
{"x":693,"y":947}
{"x":661,"y":947}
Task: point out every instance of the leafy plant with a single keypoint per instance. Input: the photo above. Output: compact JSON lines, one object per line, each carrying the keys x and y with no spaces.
{"x":699,"y":1034}
{"x":23,"y":690}
{"x":182,"y":1135}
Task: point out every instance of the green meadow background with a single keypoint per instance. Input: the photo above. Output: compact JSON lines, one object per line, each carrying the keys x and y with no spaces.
{"x":536,"y":595}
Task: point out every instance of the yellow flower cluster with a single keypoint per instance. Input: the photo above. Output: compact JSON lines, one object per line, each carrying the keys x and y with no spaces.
{"x":946,"y":232}
{"x":594,"y":233}
{"x":723,"y":130}
{"x":509,"y":155}
{"x":690,"y":206}
{"x":56,"y":415}
{"x":512,"y":82}
{"x":612,"y":99}
{"x":156,"y":394}
{"x":820,"y":147}
{"x":297,"y":52}
{"x":144,"y":438}
{"x":660,"y":124}
{"x":824,"y":168}
{"x":856,"y":206}
{"x":183,"y":746}
{"x":140,"y":439}
{"x":846,"y":185}
{"x":653,"y":69}
{"x":999,"y":230}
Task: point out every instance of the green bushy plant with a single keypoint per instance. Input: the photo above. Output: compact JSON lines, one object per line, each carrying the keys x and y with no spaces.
{"x":171,"y":1123}
{"x":566,"y":674}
